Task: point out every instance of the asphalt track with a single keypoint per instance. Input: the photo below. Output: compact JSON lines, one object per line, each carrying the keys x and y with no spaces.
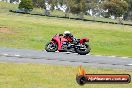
{"x":61,"y":58}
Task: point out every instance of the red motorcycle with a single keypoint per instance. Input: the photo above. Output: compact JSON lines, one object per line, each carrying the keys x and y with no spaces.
{"x":66,"y":44}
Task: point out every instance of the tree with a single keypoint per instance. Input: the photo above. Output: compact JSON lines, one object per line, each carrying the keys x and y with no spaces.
{"x":94,"y":8}
{"x":115,"y":7}
{"x":26,"y":5}
{"x":44,"y":4}
{"x":92,"y":5}
{"x":128,"y":15}
{"x":69,"y":4}
{"x":53,"y":3}
{"x":79,"y":7}
{"x":39,"y":3}
{"x":74,"y":6}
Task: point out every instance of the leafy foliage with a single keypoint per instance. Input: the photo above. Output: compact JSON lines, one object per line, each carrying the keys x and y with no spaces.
{"x":26,"y":5}
{"x":128,"y":15}
{"x":39,"y":3}
{"x":115,"y":7}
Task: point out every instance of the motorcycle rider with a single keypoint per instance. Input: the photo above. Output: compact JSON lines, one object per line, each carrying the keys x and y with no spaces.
{"x":69,"y":36}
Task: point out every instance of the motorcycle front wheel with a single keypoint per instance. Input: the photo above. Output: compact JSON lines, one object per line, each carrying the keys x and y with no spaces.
{"x":51,"y":47}
{"x":83,"y":51}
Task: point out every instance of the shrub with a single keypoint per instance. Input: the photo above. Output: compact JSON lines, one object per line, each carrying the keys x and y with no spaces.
{"x":26,"y":5}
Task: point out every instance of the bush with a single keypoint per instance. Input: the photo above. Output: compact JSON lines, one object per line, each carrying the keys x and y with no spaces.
{"x":26,"y":5}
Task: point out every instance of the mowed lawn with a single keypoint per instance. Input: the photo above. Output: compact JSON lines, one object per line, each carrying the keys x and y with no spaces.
{"x":23,"y":75}
{"x":33,"y":32}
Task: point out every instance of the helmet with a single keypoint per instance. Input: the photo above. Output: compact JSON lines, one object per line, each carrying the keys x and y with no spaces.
{"x":67,"y":33}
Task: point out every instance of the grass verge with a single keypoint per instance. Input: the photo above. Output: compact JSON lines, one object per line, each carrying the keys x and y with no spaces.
{"x":26,"y":31}
{"x":33,"y":32}
{"x":24,"y":75}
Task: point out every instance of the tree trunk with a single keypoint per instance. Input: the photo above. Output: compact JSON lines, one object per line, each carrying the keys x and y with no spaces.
{"x":69,"y":12}
{"x":120,"y":20}
{"x":81,"y":15}
{"x":47,"y":13}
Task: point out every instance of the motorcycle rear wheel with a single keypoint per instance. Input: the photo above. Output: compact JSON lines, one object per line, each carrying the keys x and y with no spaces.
{"x":51,"y":47}
{"x":83,"y":52}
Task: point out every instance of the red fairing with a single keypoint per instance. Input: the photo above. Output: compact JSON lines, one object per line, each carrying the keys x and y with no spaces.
{"x":69,"y":39}
{"x":83,"y":40}
{"x":59,"y":40}
{"x":56,"y":39}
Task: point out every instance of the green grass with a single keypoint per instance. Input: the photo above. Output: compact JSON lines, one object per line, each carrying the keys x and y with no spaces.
{"x":33,"y":32}
{"x":5,"y":7}
{"x":23,"y":75}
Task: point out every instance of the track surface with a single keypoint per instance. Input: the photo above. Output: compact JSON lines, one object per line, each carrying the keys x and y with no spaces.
{"x":34,"y":56}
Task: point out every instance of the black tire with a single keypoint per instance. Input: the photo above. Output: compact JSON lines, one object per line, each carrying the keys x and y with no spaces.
{"x":81,"y":80}
{"x":83,"y":52}
{"x":55,"y":47}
